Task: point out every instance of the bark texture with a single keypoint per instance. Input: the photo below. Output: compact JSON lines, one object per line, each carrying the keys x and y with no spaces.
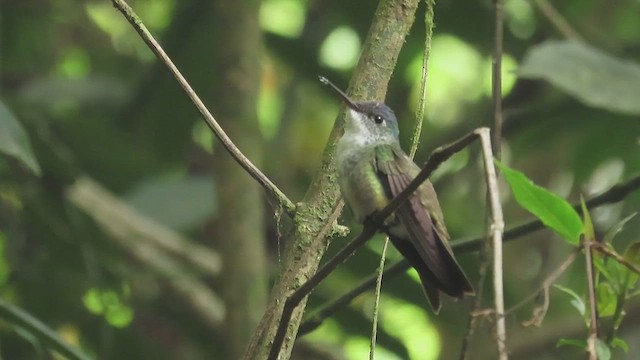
{"x":310,"y":237}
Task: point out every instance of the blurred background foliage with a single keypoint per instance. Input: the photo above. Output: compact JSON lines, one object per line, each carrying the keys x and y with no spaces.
{"x":81,"y":95}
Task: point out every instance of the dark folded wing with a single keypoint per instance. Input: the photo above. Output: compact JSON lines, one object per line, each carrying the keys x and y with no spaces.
{"x":424,"y":225}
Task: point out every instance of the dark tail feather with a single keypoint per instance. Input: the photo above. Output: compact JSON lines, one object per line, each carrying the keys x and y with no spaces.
{"x":456,"y":284}
{"x":432,"y":293}
{"x":429,"y":282}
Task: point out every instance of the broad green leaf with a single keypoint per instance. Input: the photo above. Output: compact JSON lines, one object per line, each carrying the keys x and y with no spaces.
{"x":181,"y":203}
{"x":14,"y":140}
{"x":552,"y":210}
{"x":602,"y":350}
{"x":619,"y":343}
{"x":615,"y":229}
{"x":589,"y":74}
{"x":576,"y":301}
{"x":606,"y":299}
{"x":582,"y":344}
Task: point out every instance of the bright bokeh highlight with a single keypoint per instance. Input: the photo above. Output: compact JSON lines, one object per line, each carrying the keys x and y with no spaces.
{"x":454,"y":78}
{"x":341,"y":49}
{"x":283,"y":17}
{"x":411,"y":325}
{"x":520,"y":18}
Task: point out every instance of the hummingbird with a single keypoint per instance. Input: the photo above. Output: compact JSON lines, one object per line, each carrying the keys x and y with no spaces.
{"x":372,"y":170}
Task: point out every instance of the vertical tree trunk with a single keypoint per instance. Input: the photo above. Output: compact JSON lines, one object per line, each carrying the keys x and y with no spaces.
{"x":240,"y":222}
{"x":313,"y":227}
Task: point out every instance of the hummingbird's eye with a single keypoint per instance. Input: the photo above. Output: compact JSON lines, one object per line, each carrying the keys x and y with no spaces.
{"x":378,"y":119}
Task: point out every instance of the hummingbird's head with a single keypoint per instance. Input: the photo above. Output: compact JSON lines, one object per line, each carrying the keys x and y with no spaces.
{"x":370,"y":119}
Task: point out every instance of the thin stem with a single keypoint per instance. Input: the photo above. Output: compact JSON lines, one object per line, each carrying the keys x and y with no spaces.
{"x":496,"y":230}
{"x":557,"y":20}
{"x":314,"y":320}
{"x":477,"y":301}
{"x":417,"y":130}
{"x":618,"y":315}
{"x":550,"y":280}
{"x":619,"y":258}
{"x":376,"y":304}
{"x":593,"y":306}
{"x":496,"y":83}
{"x":497,"y":225}
{"x":42,"y":332}
{"x":242,"y":160}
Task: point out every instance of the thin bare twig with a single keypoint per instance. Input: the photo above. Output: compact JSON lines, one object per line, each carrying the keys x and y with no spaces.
{"x":242,"y":160}
{"x":615,"y":194}
{"x":25,"y":321}
{"x":117,"y":217}
{"x":496,"y":229}
{"x":476,"y":303}
{"x":200,"y":298}
{"x":376,"y":304}
{"x":556,"y":19}
{"x":497,"y":225}
{"x":371,"y":226}
{"x":417,"y":130}
{"x":619,"y":258}
{"x":496,"y":79}
{"x":550,"y":280}
{"x":314,"y":320}
{"x":593,"y":305}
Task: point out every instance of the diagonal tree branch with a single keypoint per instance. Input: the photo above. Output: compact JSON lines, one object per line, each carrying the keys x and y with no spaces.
{"x":118,"y":217}
{"x":242,"y":160}
{"x":109,"y":213}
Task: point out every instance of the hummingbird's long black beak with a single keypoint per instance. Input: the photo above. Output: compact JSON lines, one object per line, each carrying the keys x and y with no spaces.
{"x":341,"y":93}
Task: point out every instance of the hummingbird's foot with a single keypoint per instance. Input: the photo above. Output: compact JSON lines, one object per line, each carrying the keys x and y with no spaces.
{"x":385,"y":226}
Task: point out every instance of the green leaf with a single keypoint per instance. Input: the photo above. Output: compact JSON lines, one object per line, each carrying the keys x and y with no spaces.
{"x":602,"y":350}
{"x":14,"y":140}
{"x":615,"y":229}
{"x":619,"y":343}
{"x":179,"y":202}
{"x":576,"y":301}
{"x":582,"y":344}
{"x":589,"y":74}
{"x":552,"y":210}
{"x":601,"y":266}
{"x":119,"y":317}
{"x":587,"y":228}
{"x":617,"y":274}
{"x":632,"y":255}
{"x":93,"y":302}
{"x":606,"y":299}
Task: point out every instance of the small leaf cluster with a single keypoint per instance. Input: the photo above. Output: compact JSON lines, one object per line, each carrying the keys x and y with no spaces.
{"x":616,"y":275}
